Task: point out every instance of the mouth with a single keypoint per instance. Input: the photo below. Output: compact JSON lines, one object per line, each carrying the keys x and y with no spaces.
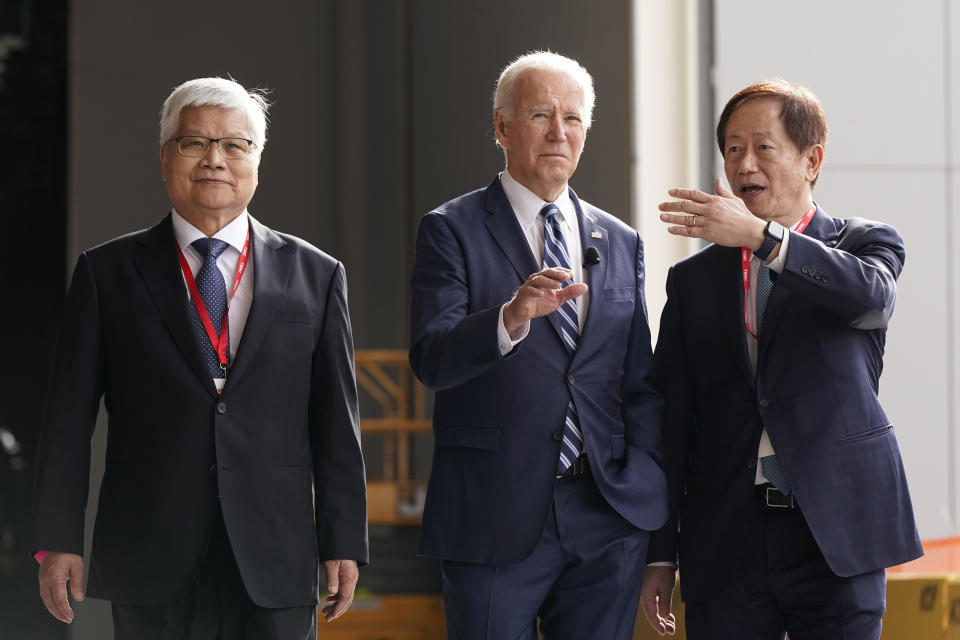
{"x":212,"y":181}
{"x":750,"y":191}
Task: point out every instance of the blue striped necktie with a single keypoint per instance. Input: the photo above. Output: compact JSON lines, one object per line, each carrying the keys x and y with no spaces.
{"x":555,"y":255}
{"x":768,"y":464}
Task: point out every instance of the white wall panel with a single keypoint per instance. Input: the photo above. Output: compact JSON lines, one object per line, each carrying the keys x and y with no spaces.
{"x":878,"y":71}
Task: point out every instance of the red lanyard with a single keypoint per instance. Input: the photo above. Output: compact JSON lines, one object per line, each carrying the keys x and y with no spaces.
{"x":219,"y":342}
{"x":745,"y":264}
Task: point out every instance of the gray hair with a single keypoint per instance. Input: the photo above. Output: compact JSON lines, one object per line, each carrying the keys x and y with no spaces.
{"x":216,"y":92}
{"x":503,"y":98}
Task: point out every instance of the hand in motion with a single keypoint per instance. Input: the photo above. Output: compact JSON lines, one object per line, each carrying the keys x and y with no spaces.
{"x":542,"y":293}
{"x":723,"y":218}
{"x":56,"y":570}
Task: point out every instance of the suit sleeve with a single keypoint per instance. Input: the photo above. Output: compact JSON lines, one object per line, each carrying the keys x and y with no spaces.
{"x":340,"y":484}
{"x":641,"y":403}
{"x":449,"y":345}
{"x":857,"y":279}
{"x":674,"y":381}
{"x":70,"y":415}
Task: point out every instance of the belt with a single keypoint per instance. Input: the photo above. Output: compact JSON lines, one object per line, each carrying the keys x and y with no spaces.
{"x":769,"y":496}
{"x":577,"y":469}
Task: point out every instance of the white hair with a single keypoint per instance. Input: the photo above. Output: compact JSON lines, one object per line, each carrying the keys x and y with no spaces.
{"x":215,"y":92}
{"x":503,"y":95}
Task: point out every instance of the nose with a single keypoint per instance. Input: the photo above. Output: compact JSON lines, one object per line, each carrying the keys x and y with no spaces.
{"x":748,"y":162}
{"x":557,"y":131}
{"x":213,"y":158}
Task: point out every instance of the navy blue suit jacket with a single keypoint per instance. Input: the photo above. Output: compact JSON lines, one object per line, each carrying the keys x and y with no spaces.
{"x":280,"y":444}
{"x":495,"y":418}
{"x":820,"y":355}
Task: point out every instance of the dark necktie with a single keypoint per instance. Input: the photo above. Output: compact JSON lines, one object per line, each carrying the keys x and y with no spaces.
{"x":763,"y":293}
{"x":213,"y":291}
{"x":555,"y":255}
{"x":768,"y":464}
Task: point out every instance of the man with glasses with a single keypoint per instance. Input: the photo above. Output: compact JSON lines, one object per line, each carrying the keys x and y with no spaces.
{"x":223,"y":353}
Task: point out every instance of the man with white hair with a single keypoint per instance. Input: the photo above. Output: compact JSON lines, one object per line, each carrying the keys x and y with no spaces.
{"x":223,"y":353}
{"x":546,"y":472}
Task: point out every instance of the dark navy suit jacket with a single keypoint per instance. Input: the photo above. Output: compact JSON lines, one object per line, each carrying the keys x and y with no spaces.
{"x":820,"y":355}
{"x":278,"y":445}
{"x":496,"y":418}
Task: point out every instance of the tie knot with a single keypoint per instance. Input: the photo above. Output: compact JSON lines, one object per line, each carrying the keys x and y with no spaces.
{"x":209,"y":248}
{"x":549,"y":211}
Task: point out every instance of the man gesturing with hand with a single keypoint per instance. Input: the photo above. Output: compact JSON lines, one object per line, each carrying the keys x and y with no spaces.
{"x":529,"y":323}
{"x":787,"y":491}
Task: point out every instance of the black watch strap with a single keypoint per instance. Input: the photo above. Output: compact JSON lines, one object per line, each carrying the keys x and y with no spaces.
{"x":773,"y":233}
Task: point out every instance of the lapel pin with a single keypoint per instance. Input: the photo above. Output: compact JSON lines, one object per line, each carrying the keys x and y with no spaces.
{"x":596,"y":234}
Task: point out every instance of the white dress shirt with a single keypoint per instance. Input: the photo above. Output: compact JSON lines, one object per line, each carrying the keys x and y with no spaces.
{"x":234,"y":234}
{"x":526,"y":206}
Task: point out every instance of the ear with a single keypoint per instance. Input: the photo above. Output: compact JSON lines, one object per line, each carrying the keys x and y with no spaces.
{"x":814,"y":161}
{"x":500,"y":128}
{"x":163,"y":163}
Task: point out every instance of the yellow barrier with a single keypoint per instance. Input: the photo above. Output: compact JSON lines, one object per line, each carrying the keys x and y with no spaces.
{"x":916,"y":606}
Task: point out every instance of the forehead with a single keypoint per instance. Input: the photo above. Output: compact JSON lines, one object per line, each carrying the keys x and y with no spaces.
{"x":542,"y":86}
{"x":752,"y":117}
{"x":213,"y":120}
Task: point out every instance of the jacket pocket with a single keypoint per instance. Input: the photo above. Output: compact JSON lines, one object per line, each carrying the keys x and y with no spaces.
{"x":297,"y":315}
{"x":867,"y":435}
{"x":619,"y":293}
{"x":474,"y":437}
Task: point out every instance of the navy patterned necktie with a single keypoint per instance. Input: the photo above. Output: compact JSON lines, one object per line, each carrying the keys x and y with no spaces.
{"x":764,"y":285}
{"x":768,"y":464}
{"x":213,"y":292}
{"x":555,"y":255}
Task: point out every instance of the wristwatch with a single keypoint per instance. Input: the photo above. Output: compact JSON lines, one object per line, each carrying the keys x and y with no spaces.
{"x":774,"y":235}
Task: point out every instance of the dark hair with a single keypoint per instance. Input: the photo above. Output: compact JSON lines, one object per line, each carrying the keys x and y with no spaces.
{"x":800,"y":111}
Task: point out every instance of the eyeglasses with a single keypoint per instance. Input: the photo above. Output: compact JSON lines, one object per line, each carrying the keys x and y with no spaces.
{"x":197,"y":146}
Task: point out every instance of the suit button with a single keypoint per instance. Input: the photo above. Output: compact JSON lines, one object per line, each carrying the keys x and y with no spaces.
{"x":764,"y":403}
{"x":804,"y":269}
{"x":221,"y":407}
{"x":557,"y":435}
{"x":570,"y":379}
{"x":752,"y":463}
{"x":213,"y":469}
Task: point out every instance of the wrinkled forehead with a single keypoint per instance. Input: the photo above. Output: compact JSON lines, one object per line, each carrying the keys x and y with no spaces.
{"x":542,"y":87}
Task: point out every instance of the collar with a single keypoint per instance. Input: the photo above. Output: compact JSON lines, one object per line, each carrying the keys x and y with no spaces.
{"x":234,"y":233}
{"x":526,"y":204}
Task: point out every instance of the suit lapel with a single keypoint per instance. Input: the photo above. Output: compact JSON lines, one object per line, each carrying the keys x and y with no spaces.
{"x":820,"y":228}
{"x":156,"y":260}
{"x":592,"y":235}
{"x":505,"y":229}
{"x":503,"y":226}
{"x":729,"y":287}
{"x":272,"y":261}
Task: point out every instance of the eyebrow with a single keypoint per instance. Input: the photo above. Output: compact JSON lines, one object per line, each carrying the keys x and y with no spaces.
{"x":758,"y":134}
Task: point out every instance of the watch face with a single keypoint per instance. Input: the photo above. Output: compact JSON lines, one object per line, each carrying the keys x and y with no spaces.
{"x":775,"y":230}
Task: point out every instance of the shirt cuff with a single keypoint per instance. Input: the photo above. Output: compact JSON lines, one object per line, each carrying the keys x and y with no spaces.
{"x":504,"y":340}
{"x":40,"y":555}
{"x":776,"y":265}
{"x":661,"y":564}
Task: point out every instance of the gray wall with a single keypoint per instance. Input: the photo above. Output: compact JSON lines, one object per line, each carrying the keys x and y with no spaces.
{"x":381,"y":111}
